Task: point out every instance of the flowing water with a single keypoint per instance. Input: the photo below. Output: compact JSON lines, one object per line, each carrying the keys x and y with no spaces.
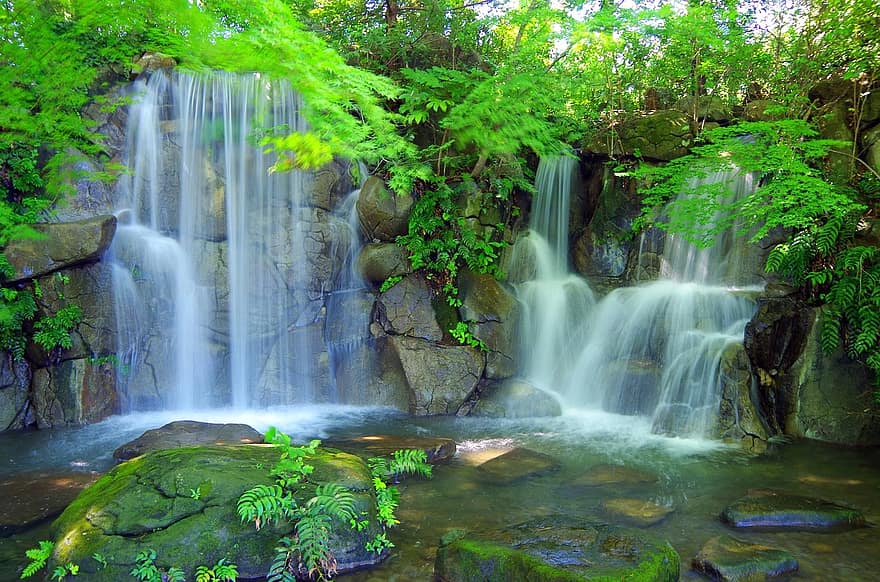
{"x":696,"y":478}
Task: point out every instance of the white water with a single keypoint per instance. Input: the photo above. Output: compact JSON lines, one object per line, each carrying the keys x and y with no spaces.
{"x":217,"y":299}
{"x":651,"y":351}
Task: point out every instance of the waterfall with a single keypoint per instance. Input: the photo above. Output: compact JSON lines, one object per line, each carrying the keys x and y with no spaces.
{"x":651,"y":350}
{"x":224,"y":269}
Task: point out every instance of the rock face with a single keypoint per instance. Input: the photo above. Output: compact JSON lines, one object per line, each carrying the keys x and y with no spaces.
{"x":384,"y":215}
{"x":558,"y":549}
{"x":739,"y":419}
{"x":187,"y":433}
{"x":661,"y":135}
{"x":636,"y":511}
{"x":493,"y":314}
{"x":728,"y":559}
{"x":181,"y":503}
{"x":378,"y":261}
{"x":61,"y":245}
{"x":772,"y":510}
{"x":405,"y":309}
{"x":516,"y":398}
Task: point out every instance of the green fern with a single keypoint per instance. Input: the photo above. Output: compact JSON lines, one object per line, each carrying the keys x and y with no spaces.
{"x":334,"y":500}
{"x":264,"y":504}
{"x":38,"y":557}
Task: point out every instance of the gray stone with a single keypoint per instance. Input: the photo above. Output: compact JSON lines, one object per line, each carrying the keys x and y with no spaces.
{"x":493,"y":315}
{"x":517,"y":464}
{"x":763,"y":110}
{"x":637,"y":512}
{"x":153,"y":61}
{"x":61,"y":245}
{"x":707,"y":107}
{"x":74,"y":392}
{"x":440,"y":377}
{"x":15,"y":382}
{"x":516,"y":398}
{"x":780,"y":511}
{"x":329,"y":185}
{"x":406,"y":309}
{"x":739,"y":419}
{"x":384,"y":215}
{"x":379,"y":261}
{"x":659,"y":135}
{"x":728,"y":559}
{"x":187,"y":433}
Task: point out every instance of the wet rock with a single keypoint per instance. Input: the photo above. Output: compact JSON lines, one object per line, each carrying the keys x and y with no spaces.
{"x":181,"y":504}
{"x":557,"y":549}
{"x":441,"y":378}
{"x":517,"y":464}
{"x":15,"y":382}
{"x":726,"y":558}
{"x":30,"y":498}
{"x":705,"y":107}
{"x":329,"y":185}
{"x":660,"y":135}
{"x":187,"y":433}
{"x":378,"y":261}
{"x":774,"y":510}
{"x":738,"y":417}
{"x":494,"y":315}
{"x":437,"y":449}
{"x":605,"y":474}
{"x":871,"y":139}
{"x":74,"y":392}
{"x":636,"y":511}
{"x":405,"y":309}
{"x":384,"y":215}
{"x":154,"y":61}
{"x":516,"y":398}
{"x":62,"y":244}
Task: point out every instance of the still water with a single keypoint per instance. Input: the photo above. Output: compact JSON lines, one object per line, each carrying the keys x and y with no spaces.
{"x":696,"y":478}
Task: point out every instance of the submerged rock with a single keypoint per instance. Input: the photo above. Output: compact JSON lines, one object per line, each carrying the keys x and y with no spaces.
{"x":557,"y":549}
{"x":726,"y":558}
{"x":437,"y":449}
{"x":517,"y":464}
{"x":187,"y":433}
{"x":29,"y":498}
{"x":636,"y":511}
{"x":606,"y":474}
{"x":181,"y":503}
{"x":772,"y":510}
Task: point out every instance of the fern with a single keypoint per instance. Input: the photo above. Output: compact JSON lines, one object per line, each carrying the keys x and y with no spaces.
{"x":335,"y":500}
{"x":410,"y":462}
{"x":38,"y":557}
{"x":264,"y":504}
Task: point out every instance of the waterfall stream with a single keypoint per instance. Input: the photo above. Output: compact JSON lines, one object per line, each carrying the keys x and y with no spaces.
{"x":651,"y":350}
{"x":224,"y":268}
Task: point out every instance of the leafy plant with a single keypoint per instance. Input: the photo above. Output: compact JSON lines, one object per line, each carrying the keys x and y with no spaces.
{"x":54,"y":331}
{"x":221,"y":572}
{"x":63,"y":571}
{"x":38,"y":557}
{"x":389,"y":283}
{"x":463,"y":334}
{"x":146,"y":570}
{"x":98,"y":557}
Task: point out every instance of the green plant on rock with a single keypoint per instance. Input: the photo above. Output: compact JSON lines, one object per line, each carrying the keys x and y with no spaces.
{"x":145,"y":569}
{"x":62,"y":572}
{"x":463,"y":334}
{"x":38,"y":557}
{"x":221,"y":572}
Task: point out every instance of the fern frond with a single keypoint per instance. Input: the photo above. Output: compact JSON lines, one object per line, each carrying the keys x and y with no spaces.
{"x":335,"y":500}
{"x":830,"y":334}
{"x":410,"y":462}
{"x":263,"y":504}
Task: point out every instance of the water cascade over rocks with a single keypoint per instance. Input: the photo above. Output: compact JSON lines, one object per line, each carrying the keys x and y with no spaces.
{"x":651,"y":350}
{"x":231,"y":280}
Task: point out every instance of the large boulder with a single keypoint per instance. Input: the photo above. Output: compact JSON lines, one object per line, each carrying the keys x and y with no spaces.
{"x":379,"y":261}
{"x":557,"y":549}
{"x":78,"y":391}
{"x":15,"y":382}
{"x":187,"y":433}
{"x":781,"y":511}
{"x":739,"y":419}
{"x":442,"y":378}
{"x":406,"y":309}
{"x":181,"y":503}
{"x":728,"y":559}
{"x":493,"y":316}
{"x":329,"y":185}
{"x":705,"y":107}
{"x":383,"y":215}
{"x":660,"y":135}
{"x":515,"y":398}
{"x":59,"y":246}
{"x":602,"y":248}
{"x":871,"y":141}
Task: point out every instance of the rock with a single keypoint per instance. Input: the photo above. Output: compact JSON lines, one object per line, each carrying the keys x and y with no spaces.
{"x":738,"y":416}
{"x":558,"y":549}
{"x":187,"y":433}
{"x":329,"y":185}
{"x":726,"y":558}
{"x":441,"y":378}
{"x":154,"y":61}
{"x":871,"y":140}
{"x":763,"y":110}
{"x":15,"y":382}
{"x":493,"y":316}
{"x":378,"y":261}
{"x":516,"y":398}
{"x":181,"y":503}
{"x":831,"y":90}
{"x":438,"y":449}
{"x":405,"y":309}
{"x":660,"y":135}
{"x":605,"y":474}
{"x":706,"y":107}
{"x":517,"y":464}
{"x":773,"y":510}
{"x":835,"y":125}
{"x":62,"y":245}
{"x":871,"y":107}
{"x":636,"y":511}
{"x":74,"y":392}
{"x":30,"y":498}
{"x":384,"y":215}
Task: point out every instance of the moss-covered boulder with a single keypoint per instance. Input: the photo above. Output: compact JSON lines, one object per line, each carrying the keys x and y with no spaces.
{"x":181,"y":503}
{"x":659,"y":135}
{"x":729,"y":559}
{"x":558,"y":549}
{"x":782,"y":511}
{"x":187,"y":433}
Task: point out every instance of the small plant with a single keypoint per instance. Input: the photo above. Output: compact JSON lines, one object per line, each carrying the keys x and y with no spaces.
{"x":389,"y":283}
{"x":146,"y":570}
{"x":221,"y":572}
{"x":196,"y":493}
{"x":379,"y":543}
{"x":463,"y":334}
{"x":62,"y":572}
{"x":54,"y":331}
{"x":38,"y":557}
{"x":102,"y":561}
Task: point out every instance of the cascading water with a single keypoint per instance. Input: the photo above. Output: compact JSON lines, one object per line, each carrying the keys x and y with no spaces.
{"x":651,"y":350}
{"x":253,"y":255}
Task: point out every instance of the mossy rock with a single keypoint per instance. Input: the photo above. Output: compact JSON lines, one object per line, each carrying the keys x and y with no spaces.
{"x":729,"y":559}
{"x":558,"y":549}
{"x":181,"y":503}
{"x":780,"y":511}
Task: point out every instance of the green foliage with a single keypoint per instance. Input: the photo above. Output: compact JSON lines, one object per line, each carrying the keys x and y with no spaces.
{"x":379,"y":543}
{"x":38,"y":557}
{"x":263,"y":504}
{"x":145,"y":569}
{"x":62,"y":572}
{"x":99,"y":557}
{"x":221,"y":572}
{"x":463,"y":334}
{"x":402,"y":462}
{"x":54,"y":331}
{"x":389,"y":283}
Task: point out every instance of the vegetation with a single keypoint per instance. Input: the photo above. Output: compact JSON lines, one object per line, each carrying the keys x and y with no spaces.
{"x":306,"y":554}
